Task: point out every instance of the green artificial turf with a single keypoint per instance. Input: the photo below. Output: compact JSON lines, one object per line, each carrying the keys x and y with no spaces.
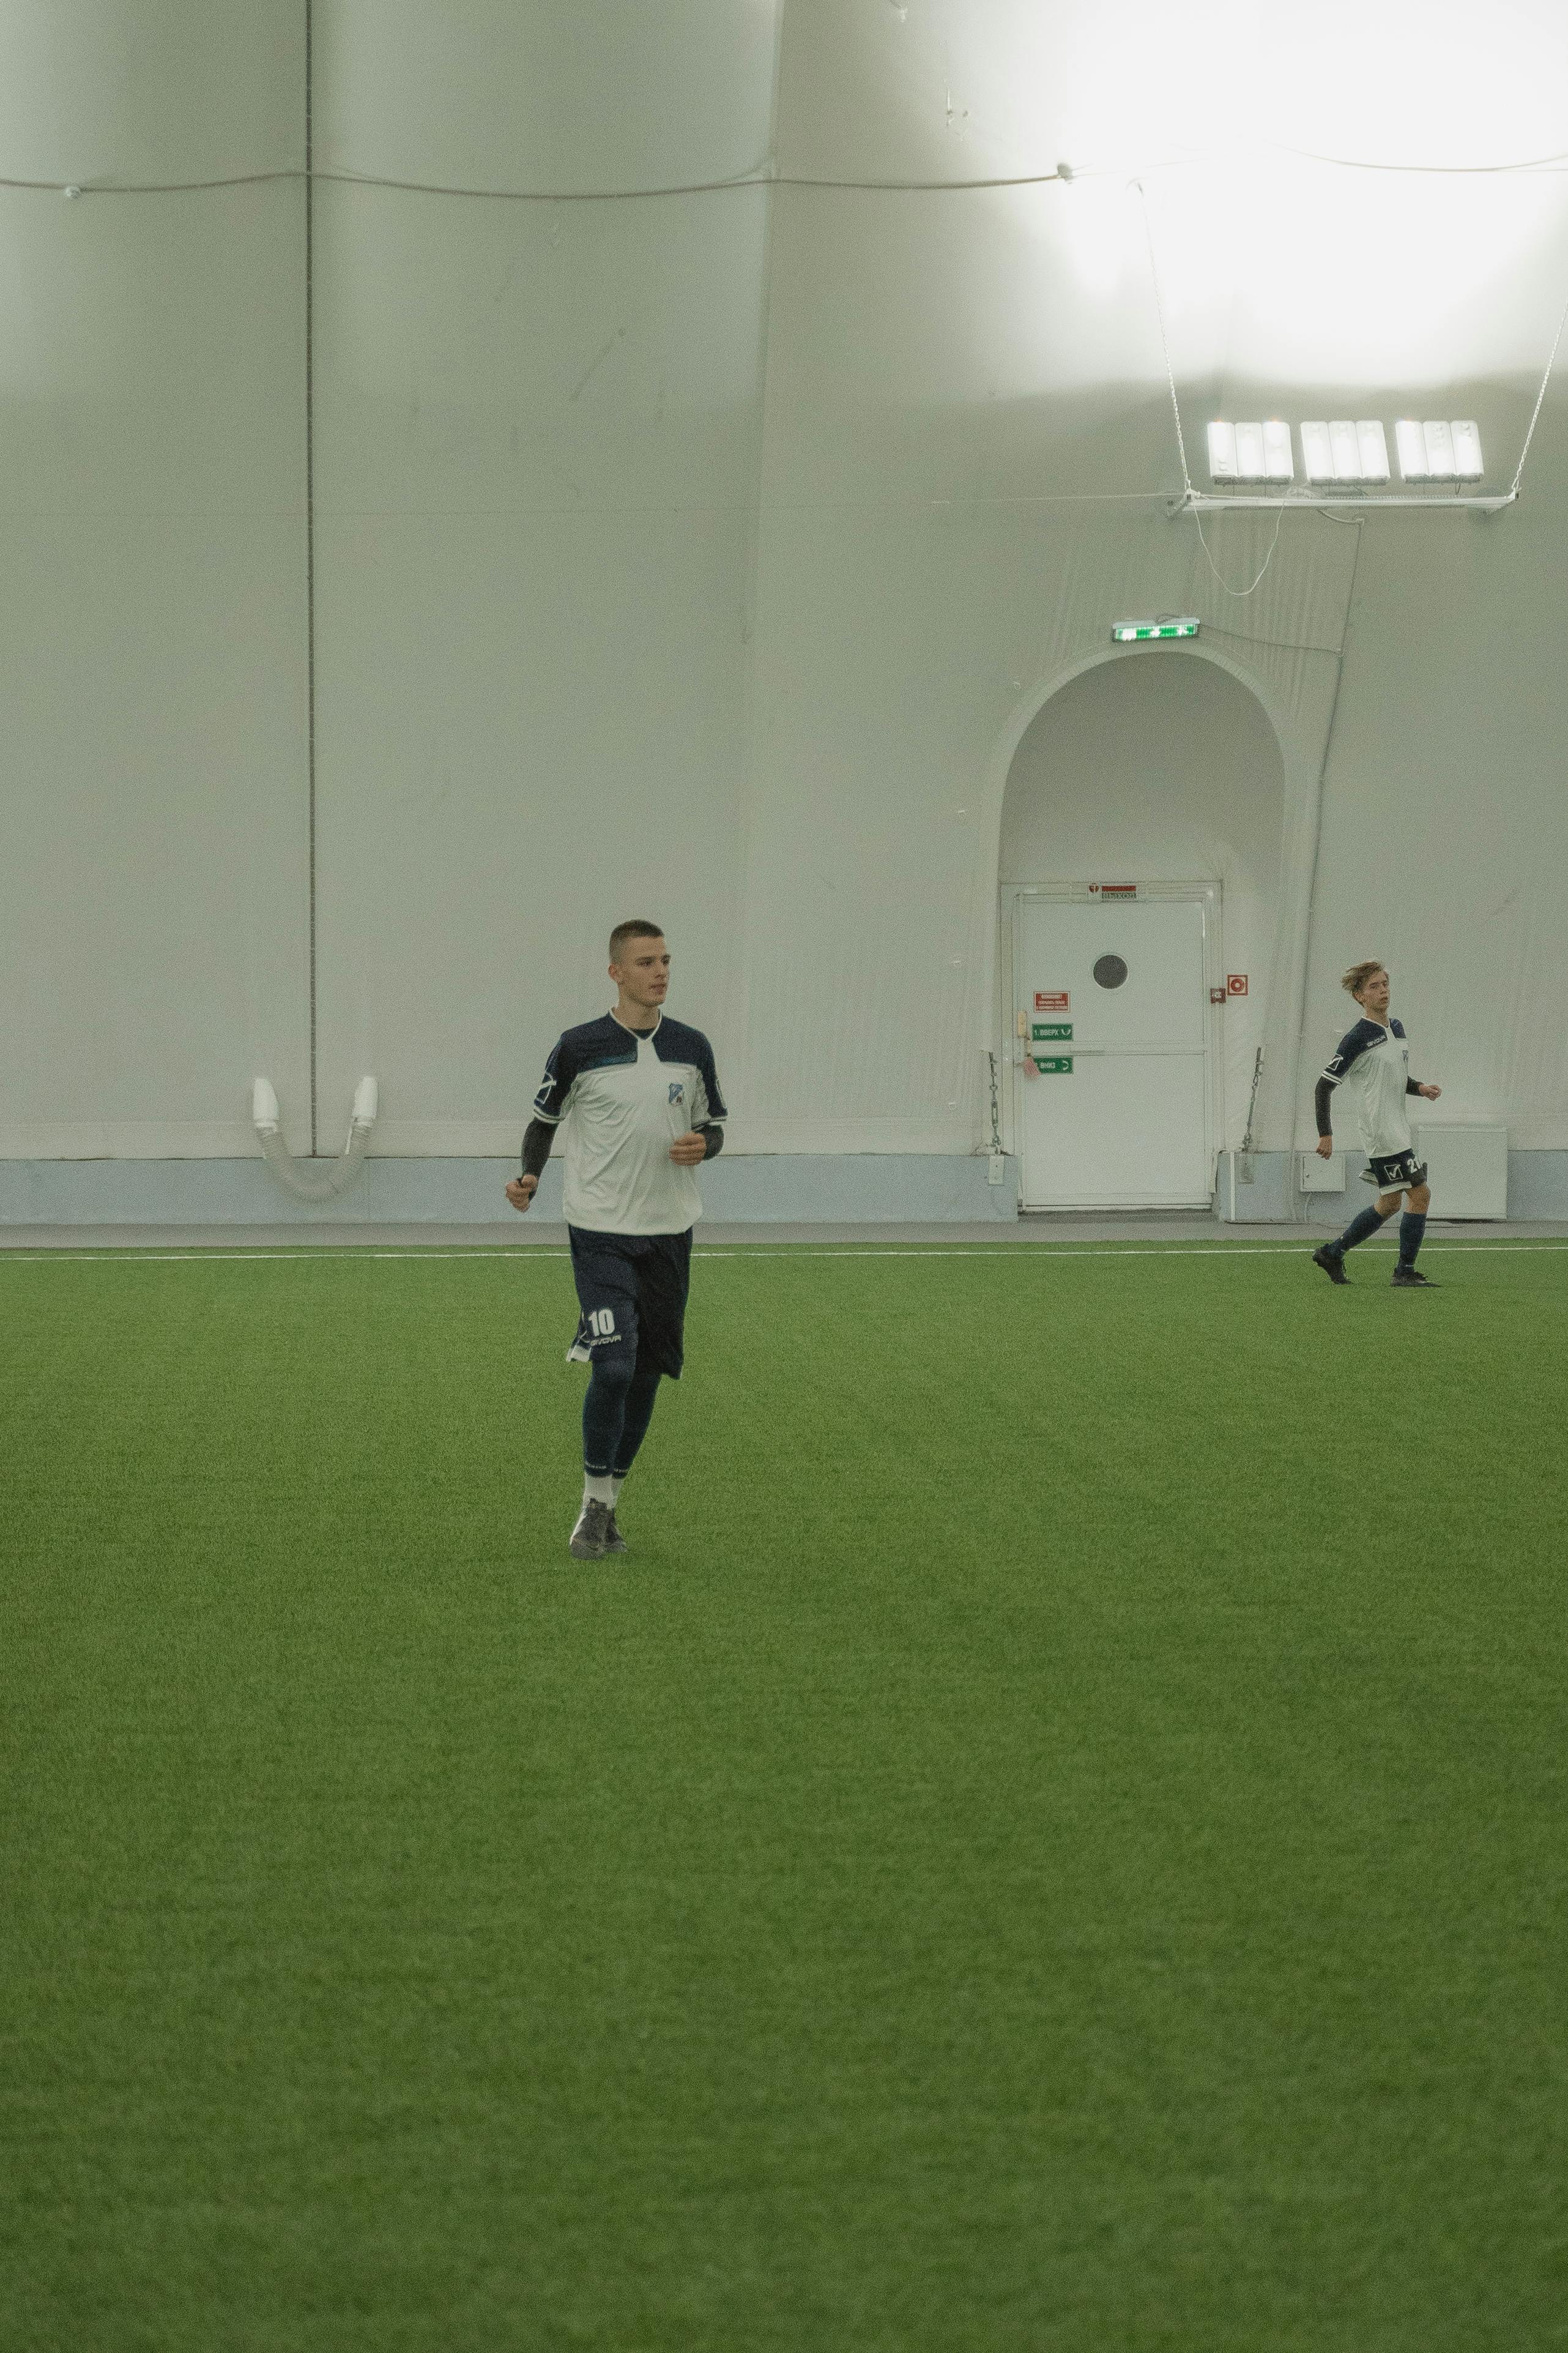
{"x":1054,"y":1838}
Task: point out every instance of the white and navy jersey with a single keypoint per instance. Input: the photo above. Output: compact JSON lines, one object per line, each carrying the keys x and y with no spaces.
{"x":1372,"y":1065}
{"x":625,"y":1099}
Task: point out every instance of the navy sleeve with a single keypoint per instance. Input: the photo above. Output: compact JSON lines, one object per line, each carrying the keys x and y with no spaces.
{"x":1349,"y":1047}
{"x":710,"y":1084}
{"x":537,"y":1139}
{"x":1321,"y":1099}
{"x":560,"y":1074}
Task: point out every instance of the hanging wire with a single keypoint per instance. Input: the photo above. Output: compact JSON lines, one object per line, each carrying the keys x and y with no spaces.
{"x":1164,"y":338}
{"x":546,"y":195}
{"x":772,"y":179}
{"x":1430,"y":170}
{"x":1540,"y":397}
{"x":1257,"y":581}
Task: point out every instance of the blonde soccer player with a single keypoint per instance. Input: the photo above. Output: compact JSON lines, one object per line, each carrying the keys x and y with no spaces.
{"x":1372,"y":1062}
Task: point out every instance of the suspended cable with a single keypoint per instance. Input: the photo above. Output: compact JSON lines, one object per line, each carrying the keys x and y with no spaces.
{"x":1164,"y":338}
{"x":1430,"y":170}
{"x":1256,"y":580}
{"x":1064,"y":173}
{"x":1540,"y":397}
{"x":544,"y":196}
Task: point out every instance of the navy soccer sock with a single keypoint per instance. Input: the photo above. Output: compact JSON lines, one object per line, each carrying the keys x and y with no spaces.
{"x":605,"y":1411}
{"x":1412,"y":1226}
{"x":1364,"y":1222}
{"x":640,"y":1399}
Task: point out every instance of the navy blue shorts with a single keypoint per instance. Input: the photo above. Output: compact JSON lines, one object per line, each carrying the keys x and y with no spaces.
{"x":632,"y":1290}
{"x":1395,"y":1171}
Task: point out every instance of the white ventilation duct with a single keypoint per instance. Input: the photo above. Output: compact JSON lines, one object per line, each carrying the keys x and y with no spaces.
{"x":313,"y":1180}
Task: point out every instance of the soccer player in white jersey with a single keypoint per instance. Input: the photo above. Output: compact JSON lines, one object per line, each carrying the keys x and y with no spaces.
{"x":1372,"y":1062}
{"x":640,"y":1098}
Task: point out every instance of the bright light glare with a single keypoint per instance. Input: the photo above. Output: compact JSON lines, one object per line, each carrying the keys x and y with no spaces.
{"x":1275,"y":269}
{"x":1346,"y":448}
{"x":1222,"y":453}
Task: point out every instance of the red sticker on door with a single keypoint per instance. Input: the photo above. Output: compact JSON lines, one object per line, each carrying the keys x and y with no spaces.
{"x":1051,"y":1000}
{"x":1236,"y":983}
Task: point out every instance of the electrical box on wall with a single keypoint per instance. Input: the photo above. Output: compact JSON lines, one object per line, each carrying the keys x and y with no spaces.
{"x":1317,"y":1176}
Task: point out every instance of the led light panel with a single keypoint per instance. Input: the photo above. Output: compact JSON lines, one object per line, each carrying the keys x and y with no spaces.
{"x":1467,"y":463}
{"x":1411,"y":443}
{"x":1249,"y":465}
{"x":1346,"y":449}
{"x":1279,"y":462}
{"x":1317,"y":451}
{"x":1222,"y":453}
{"x":1373,"y":446}
{"x":1439,"y":448}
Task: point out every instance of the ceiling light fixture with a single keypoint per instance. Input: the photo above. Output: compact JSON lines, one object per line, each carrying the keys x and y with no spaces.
{"x":1255,"y":450}
{"x":1440,"y":449}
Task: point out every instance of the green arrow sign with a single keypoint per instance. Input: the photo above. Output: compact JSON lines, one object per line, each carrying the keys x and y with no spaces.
{"x":1052,"y":1065}
{"x":1052,"y":1029}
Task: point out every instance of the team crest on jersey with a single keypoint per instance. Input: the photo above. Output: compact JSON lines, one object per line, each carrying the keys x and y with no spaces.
{"x":677,"y":1092}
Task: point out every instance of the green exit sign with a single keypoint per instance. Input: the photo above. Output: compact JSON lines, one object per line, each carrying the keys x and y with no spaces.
{"x":1053,"y":1065}
{"x":1051,"y":1030}
{"x":1134,"y":633}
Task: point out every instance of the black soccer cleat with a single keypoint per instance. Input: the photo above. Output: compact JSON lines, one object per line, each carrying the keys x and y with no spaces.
{"x":1332,"y":1263}
{"x":1410,"y":1277}
{"x":614,"y":1540}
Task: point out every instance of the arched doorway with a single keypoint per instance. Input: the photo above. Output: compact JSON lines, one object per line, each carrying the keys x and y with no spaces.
{"x":1139,"y":864}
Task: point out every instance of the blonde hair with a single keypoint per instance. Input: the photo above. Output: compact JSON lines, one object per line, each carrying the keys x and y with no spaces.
{"x":1356,"y":979}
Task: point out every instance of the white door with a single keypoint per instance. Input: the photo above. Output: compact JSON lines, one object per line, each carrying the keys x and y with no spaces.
{"x":1119,"y":1117}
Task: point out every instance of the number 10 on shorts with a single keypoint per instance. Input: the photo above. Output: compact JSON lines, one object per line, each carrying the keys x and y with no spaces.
{"x":602,"y":1322}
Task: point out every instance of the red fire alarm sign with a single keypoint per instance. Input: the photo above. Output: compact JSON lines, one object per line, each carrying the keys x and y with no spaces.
{"x":1236,"y":983}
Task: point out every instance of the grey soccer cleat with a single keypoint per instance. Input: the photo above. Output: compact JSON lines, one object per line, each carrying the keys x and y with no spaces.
{"x":1410,"y":1277}
{"x":590,"y":1536}
{"x":1332,"y":1263}
{"x":614,"y":1540}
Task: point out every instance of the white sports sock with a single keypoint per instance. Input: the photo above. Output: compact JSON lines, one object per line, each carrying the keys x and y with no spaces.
{"x":617,"y":1481}
{"x":598,"y":1491}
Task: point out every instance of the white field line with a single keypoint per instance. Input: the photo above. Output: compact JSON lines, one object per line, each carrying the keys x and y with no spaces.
{"x":779,"y":1250}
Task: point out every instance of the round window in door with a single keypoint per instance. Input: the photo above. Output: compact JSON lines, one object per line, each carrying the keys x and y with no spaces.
{"x":1110,"y":971}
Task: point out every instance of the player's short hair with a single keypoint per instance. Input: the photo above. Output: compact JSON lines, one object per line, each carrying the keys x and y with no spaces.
{"x":1356,"y":979}
{"x":639,"y":928}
